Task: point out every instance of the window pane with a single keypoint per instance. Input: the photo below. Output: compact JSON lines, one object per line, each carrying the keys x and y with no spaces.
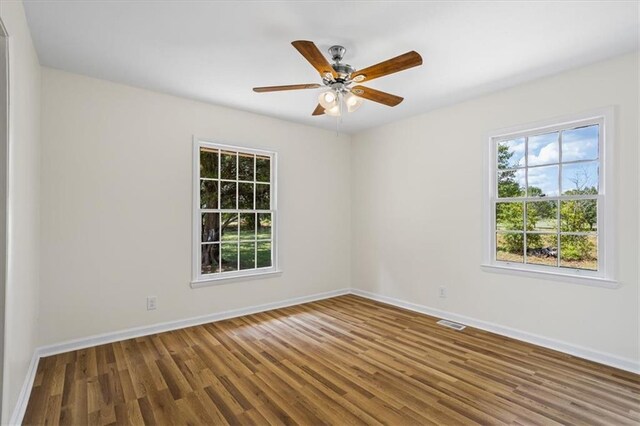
{"x":579,"y":215}
{"x":228,"y":195}
{"x":509,"y":217}
{"x":511,"y":183}
{"x":543,"y":181}
{"x":510,"y":247}
{"x":208,"y":163}
{"x":210,"y":253}
{"x":543,"y":149}
{"x":542,"y":216}
{"x":210,"y":227}
{"x":209,"y":194}
{"x":229,"y":254}
{"x":580,"y":144}
{"x":247,"y":226}
{"x":264,"y":226}
{"x":245,"y":166}
{"x":263,"y":196}
{"x":542,"y":249}
{"x":579,"y":251}
{"x":228,"y":165}
{"x":245,"y":196}
{"x":580,"y":178}
{"x":263,"y":169}
{"x":264,"y":254}
{"x":247,"y":255}
{"x":229,"y":227}
{"x":511,"y":154}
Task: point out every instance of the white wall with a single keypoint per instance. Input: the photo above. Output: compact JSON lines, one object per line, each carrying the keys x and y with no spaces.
{"x":23,"y":211}
{"x":417,"y":212}
{"x":116,"y":203}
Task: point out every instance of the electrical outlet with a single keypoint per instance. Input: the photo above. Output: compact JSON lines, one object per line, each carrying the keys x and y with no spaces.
{"x":152,"y":303}
{"x":443,"y":292}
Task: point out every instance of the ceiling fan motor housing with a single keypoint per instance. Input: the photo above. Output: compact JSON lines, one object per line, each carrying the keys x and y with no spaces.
{"x":344,"y":70}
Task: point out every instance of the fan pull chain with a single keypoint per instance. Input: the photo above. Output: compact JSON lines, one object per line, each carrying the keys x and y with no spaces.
{"x":339,"y":117}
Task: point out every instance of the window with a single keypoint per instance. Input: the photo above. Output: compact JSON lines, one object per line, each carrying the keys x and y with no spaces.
{"x":234,"y":212}
{"x":548,"y":200}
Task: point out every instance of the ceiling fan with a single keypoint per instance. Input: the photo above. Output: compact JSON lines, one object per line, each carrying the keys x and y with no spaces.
{"x":339,"y":77}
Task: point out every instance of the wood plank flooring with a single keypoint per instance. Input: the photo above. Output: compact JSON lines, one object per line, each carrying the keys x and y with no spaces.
{"x":345,"y":360}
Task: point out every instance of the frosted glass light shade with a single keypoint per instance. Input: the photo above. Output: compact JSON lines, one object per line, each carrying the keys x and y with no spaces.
{"x":334,"y":111}
{"x":328,"y":99}
{"x":352,"y":101}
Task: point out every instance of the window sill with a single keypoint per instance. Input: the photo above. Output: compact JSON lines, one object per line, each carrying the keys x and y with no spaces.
{"x":208,"y":282}
{"x":557,"y":276}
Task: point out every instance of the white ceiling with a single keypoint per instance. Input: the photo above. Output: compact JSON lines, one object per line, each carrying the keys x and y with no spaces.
{"x":217,"y":51}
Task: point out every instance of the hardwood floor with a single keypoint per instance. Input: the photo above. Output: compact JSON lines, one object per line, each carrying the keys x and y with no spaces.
{"x":345,"y":360}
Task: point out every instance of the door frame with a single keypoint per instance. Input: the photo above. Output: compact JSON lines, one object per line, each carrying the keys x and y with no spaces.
{"x":4,"y":198}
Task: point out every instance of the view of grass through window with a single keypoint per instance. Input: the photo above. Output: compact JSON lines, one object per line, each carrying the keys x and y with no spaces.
{"x":236,"y":211}
{"x":546,"y":212}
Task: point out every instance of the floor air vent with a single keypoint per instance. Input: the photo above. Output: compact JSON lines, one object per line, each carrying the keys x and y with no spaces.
{"x":453,"y":325}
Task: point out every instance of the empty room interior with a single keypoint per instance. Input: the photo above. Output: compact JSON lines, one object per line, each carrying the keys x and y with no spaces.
{"x":319,"y":212}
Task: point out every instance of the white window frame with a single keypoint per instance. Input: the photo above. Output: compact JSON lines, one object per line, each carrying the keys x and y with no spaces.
{"x":203,"y":280}
{"x":604,"y":276}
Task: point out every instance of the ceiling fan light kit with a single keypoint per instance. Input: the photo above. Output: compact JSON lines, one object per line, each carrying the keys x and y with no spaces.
{"x":339,"y":77}
{"x":334,"y":101}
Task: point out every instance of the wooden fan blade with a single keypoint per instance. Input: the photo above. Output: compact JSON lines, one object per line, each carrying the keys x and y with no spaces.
{"x":318,"y":111}
{"x":376,"y":95}
{"x":393,"y":65}
{"x":288,"y":87}
{"x":311,"y":53}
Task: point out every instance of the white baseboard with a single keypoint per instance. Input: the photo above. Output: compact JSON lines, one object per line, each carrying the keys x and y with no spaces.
{"x":25,"y":392}
{"x":568,"y":348}
{"x":101,"y":339}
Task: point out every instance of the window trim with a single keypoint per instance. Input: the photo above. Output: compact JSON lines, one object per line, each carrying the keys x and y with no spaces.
{"x":197,"y":278}
{"x":605,"y":276}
